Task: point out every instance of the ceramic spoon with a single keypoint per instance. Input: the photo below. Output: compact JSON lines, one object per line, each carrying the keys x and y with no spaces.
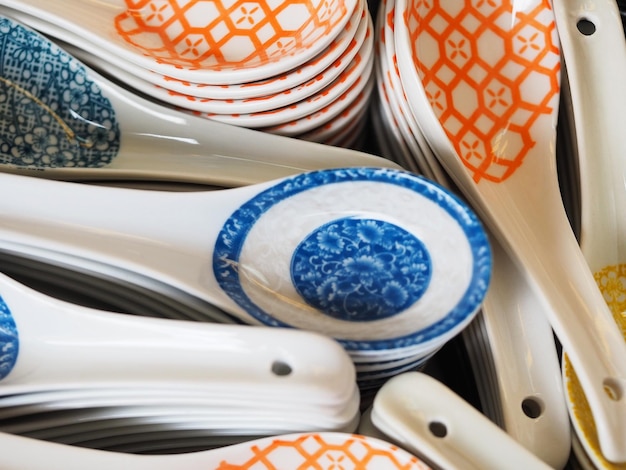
{"x":69,"y":122}
{"x":514,"y":184}
{"x":48,"y":343}
{"x":287,"y":451}
{"x":429,"y":419}
{"x":594,"y":53}
{"x":219,"y":44}
{"x":261,"y":252}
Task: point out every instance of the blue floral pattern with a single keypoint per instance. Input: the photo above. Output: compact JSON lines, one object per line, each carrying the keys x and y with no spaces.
{"x":234,"y":232}
{"x":51,"y":113}
{"x":360,"y":269}
{"x":9,"y":342}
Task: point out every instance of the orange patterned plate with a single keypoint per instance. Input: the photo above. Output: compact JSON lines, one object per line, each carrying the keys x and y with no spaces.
{"x":202,"y":41}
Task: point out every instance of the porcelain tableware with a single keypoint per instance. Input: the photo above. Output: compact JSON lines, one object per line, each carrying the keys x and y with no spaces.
{"x":426,"y":417}
{"x":277,"y":452}
{"x":73,"y":346}
{"x":218,"y":43}
{"x":255,"y":104}
{"x":69,"y":122}
{"x":587,"y":31}
{"x":496,"y":147}
{"x":310,"y":70}
{"x":345,"y":218}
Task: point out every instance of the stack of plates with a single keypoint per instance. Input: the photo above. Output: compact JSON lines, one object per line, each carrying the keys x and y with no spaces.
{"x":312,"y":83}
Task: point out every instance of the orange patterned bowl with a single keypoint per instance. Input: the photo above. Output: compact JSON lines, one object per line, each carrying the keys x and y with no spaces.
{"x":202,"y":41}
{"x":251,"y":37}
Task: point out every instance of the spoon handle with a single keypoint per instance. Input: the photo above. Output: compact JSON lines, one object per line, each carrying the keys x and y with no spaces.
{"x":58,"y":344}
{"x":426,"y":417}
{"x":588,"y":30}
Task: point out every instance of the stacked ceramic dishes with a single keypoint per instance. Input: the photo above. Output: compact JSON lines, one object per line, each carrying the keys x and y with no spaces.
{"x":488,"y":108}
{"x":516,"y":392}
{"x":301,"y":69}
{"x":363,"y":255}
{"x":93,"y":378}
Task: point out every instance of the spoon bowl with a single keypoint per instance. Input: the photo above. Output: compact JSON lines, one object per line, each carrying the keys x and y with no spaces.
{"x":493,"y":129}
{"x":284,"y":451}
{"x":203,"y":42}
{"x":596,"y":105}
{"x":71,"y":123}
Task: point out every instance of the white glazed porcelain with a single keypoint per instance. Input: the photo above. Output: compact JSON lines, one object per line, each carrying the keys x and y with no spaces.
{"x":512,"y":184}
{"x":48,"y":343}
{"x":515,"y":360}
{"x":254,"y":251}
{"x":120,"y":135}
{"x":510,"y":343}
{"x":356,"y":72}
{"x":359,"y":91}
{"x":286,"y":451}
{"x":217,"y":43}
{"x":293,"y":78}
{"x":427,"y":418}
{"x":594,"y":54}
{"x":337,"y":71}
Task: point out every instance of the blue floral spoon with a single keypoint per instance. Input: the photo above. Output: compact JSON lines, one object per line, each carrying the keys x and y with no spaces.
{"x":377,"y":258}
{"x":59,"y":119}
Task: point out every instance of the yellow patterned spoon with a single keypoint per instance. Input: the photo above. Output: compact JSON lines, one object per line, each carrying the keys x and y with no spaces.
{"x":594,"y":53}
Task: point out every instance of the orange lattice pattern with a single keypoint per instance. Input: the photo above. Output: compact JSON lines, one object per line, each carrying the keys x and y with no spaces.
{"x":313,"y":451}
{"x":221,"y":34}
{"x":489,"y":73}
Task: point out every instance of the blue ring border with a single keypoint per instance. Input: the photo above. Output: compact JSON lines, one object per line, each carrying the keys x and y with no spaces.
{"x":235,"y":230}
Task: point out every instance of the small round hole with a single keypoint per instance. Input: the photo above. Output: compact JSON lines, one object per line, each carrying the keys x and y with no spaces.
{"x":438,"y":429}
{"x":586,"y":27}
{"x":532,"y":407}
{"x":281,"y":368}
{"x":613,"y":389}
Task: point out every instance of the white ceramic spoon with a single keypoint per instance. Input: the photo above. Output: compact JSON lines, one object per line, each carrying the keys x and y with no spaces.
{"x":427,"y":418}
{"x":220,"y":44}
{"x":594,"y":52}
{"x":287,"y":451}
{"x":277,"y":84}
{"x":69,"y":122}
{"x":48,"y":343}
{"x":511,"y":345}
{"x":514,"y":185}
{"x":525,"y":396}
{"x":261,"y":252}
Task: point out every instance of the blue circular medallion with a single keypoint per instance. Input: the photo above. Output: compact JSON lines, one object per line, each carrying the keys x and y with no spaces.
{"x":360,"y":269}
{"x":9,"y":342}
{"x":231,"y":272}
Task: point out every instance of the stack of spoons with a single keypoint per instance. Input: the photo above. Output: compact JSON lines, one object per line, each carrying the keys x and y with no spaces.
{"x":299,"y":69}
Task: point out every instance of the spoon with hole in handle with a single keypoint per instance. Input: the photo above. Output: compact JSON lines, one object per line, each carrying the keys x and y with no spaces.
{"x":589,"y":31}
{"x":321,"y":449}
{"x":65,"y":121}
{"x":334,"y":251}
{"x":501,"y":155}
{"x":427,"y":418}
{"x":48,"y":343}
